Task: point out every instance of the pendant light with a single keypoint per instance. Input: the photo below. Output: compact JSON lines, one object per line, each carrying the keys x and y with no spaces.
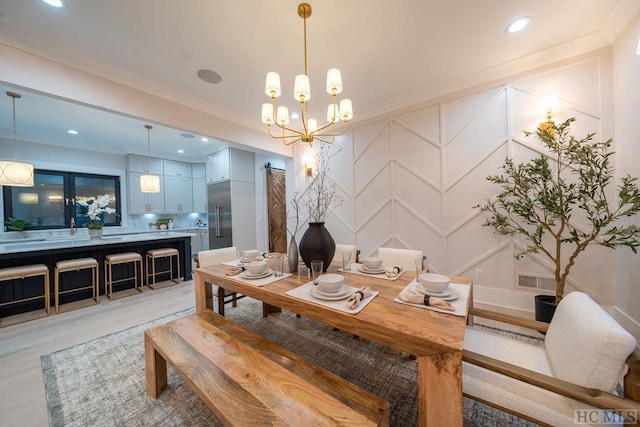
{"x":15,"y":174}
{"x":149,"y":183}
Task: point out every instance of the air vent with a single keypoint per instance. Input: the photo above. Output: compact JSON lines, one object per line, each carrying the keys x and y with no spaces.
{"x":536,"y":282}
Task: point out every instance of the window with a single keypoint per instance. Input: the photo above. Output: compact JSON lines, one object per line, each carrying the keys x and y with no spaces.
{"x":51,"y":202}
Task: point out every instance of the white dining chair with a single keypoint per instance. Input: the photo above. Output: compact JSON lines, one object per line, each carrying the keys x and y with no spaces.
{"x":343,"y":249}
{"x":217,"y":256}
{"x":404,"y":258}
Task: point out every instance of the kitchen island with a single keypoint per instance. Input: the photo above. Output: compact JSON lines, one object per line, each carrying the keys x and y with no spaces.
{"x":50,"y":251}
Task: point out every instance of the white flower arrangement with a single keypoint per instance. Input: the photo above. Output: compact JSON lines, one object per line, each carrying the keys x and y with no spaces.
{"x":95,"y":209}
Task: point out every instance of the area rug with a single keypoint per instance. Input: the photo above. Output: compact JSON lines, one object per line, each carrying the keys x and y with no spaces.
{"x":102,"y":382}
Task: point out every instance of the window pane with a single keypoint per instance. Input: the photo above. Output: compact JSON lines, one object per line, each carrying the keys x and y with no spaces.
{"x":89,"y":188}
{"x":42,"y":204}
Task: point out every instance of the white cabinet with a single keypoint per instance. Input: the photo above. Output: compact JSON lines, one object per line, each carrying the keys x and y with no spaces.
{"x":199,"y":195}
{"x":199,"y":242}
{"x":199,"y":170}
{"x":218,"y":166}
{"x":139,"y":202}
{"x":139,"y":164}
{"x":178,"y":194}
{"x":173,"y":168}
{"x":230,"y":163}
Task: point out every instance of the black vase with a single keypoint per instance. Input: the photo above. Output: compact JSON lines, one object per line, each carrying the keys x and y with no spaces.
{"x":545,"y":307}
{"x":317,"y":243}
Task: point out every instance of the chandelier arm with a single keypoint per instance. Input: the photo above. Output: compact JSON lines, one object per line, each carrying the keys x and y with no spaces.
{"x":284,"y":137}
{"x":342,"y":132}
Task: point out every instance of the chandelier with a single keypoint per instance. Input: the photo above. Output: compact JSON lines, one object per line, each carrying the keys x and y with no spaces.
{"x":149,"y":183}
{"x":15,"y":173}
{"x":302,"y":93}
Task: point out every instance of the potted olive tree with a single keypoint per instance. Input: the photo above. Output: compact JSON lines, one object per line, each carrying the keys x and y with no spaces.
{"x":540,"y":199}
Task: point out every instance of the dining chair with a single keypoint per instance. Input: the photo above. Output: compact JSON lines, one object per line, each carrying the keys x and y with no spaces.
{"x":217,"y":256}
{"x":342,"y":249}
{"x":404,"y":258}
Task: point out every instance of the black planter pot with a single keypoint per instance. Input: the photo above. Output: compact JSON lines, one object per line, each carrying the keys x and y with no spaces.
{"x":545,"y":307}
{"x":317,"y":243}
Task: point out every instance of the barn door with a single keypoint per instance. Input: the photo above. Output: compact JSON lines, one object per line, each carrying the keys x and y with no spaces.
{"x":277,"y":210}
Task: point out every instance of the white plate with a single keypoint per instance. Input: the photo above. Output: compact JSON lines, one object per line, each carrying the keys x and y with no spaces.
{"x":366,"y":270}
{"x":448,"y":295}
{"x":246,"y":260}
{"x":341,"y":291}
{"x":344,"y":294}
{"x":247,"y":275}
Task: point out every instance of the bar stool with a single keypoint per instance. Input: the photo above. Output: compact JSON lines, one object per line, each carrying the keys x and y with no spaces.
{"x":123,"y":258}
{"x":76,"y":265}
{"x":22,"y":272}
{"x":150,"y":264}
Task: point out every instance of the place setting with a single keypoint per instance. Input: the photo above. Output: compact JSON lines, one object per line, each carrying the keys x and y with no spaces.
{"x":372,"y":266}
{"x":260,"y":273}
{"x":436,"y":292}
{"x":329,"y":289}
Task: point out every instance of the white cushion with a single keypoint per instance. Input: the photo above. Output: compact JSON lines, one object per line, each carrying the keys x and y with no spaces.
{"x":404,"y":258}
{"x":585,"y":345}
{"x":217,"y":256}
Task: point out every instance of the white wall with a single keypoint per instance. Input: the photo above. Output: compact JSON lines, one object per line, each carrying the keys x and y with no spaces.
{"x":627,"y":126}
{"x":411,"y":178}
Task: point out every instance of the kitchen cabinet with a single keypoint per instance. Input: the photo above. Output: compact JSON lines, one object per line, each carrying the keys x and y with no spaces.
{"x":178,"y":194}
{"x":199,"y":195}
{"x":230,"y":163}
{"x":139,"y":202}
{"x":173,"y":168}
{"x":139,"y":164}
{"x":199,"y":170}
{"x":200,"y":242}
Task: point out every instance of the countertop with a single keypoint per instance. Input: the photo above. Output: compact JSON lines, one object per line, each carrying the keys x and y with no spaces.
{"x":83,"y":241}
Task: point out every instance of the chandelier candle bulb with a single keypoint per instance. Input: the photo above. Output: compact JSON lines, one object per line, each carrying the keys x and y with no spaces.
{"x":272,"y":85}
{"x":334,"y":81}
{"x":267,"y":113}
{"x":346,"y":109}
{"x":312,"y":126}
{"x":283,"y":116}
{"x":302,"y":88}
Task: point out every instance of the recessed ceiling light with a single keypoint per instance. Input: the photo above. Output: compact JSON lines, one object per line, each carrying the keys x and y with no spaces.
{"x":209,"y":76}
{"x":204,"y":139}
{"x":181,"y":151}
{"x":72,"y":131}
{"x":294,"y":115}
{"x":187,"y":135}
{"x":54,"y":3}
{"x":518,"y":25}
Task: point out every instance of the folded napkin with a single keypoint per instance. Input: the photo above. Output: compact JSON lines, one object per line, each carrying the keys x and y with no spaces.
{"x":357,"y":296}
{"x":408,"y":296}
{"x":234,"y":271}
{"x":393,"y":272}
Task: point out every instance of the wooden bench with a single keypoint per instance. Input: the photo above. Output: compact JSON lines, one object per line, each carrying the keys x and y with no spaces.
{"x":248,"y":380}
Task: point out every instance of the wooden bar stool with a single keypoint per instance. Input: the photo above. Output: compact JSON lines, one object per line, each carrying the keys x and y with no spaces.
{"x":152,"y":256}
{"x":123,"y":258}
{"x":22,"y":272}
{"x":76,"y":265}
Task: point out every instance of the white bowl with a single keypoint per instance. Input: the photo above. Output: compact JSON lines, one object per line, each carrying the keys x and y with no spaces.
{"x":251,"y":254}
{"x":436,"y":283}
{"x":330,"y":283}
{"x":256,"y":267}
{"x":372,"y":263}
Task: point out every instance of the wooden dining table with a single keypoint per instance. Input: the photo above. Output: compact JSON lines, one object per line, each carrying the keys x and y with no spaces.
{"x":434,"y":338}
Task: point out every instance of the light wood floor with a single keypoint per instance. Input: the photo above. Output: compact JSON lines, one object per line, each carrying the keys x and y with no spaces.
{"x":22,"y":398}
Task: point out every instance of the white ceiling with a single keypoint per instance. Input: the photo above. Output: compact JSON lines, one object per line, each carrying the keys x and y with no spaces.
{"x":392,"y":53}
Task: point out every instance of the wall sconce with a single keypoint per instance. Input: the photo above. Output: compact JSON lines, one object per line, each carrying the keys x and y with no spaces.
{"x":550,"y":105}
{"x":308,"y":169}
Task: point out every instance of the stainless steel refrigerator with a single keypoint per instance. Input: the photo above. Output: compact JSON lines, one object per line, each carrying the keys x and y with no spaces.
{"x":220,"y":226}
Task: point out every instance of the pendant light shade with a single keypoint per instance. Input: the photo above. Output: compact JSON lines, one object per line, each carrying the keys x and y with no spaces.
{"x":14,"y":173}
{"x":149,"y":183}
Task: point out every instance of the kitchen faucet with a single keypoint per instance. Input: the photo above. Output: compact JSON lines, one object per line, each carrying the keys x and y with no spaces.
{"x":72,"y":229}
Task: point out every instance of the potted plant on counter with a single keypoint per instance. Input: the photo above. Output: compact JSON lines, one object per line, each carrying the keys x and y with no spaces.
{"x":558,"y":202}
{"x":18,"y":225}
{"x":96,"y":208}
